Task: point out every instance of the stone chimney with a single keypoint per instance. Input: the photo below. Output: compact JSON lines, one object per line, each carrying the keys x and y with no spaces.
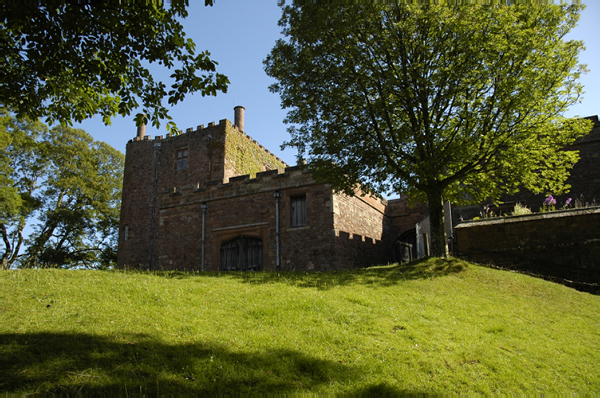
{"x":239,"y":117}
{"x":141,"y":131}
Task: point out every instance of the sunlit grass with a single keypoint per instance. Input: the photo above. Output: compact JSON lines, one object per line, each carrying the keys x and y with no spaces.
{"x":435,"y":326}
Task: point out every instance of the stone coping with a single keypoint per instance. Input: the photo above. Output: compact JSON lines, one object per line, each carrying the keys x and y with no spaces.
{"x":530,"y":217}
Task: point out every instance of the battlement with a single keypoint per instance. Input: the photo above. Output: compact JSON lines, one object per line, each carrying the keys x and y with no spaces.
{"x":224,"y":126}
{"x":294,"y":176}
{"x":201,"y":129}
{"x":186,"y":195}
{"x":272,"y":180}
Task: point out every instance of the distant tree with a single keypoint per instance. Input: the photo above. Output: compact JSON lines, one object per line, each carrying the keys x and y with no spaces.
{"x":69,"y":60}
{"x":442,"y":103}
{"x":21,"y":169}
{"x":67,"y":181}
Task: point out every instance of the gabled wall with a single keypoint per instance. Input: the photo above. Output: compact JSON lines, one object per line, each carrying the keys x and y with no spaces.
{"x":362,"y":230}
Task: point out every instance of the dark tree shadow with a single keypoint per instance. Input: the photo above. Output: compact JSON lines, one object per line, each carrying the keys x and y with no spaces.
{"x":383,"y":390}
{"x":380,"y":276}
{"x":74,"y":363}
{"x":376,"y":276}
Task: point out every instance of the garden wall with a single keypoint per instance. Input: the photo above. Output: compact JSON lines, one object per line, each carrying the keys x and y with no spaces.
{"x":560,"y":244}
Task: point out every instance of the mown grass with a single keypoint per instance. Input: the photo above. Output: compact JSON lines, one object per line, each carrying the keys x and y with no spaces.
{"x":436,"y":326}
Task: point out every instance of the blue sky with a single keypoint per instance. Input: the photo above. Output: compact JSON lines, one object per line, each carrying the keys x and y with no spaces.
{"x":240,"y":33}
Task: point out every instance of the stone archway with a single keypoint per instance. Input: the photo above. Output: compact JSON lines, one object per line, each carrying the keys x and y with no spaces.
{"x":405,"y":247}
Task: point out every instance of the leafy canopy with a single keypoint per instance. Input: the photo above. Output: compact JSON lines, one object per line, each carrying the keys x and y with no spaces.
{"x":464,"y":99}
{"x":401,"y":98}
{"x":441,"y":103}
{"x":67,"y":61}
{"x":66,"y":181}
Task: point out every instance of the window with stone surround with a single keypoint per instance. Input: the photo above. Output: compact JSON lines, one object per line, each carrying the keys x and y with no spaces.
{"x":181,"y":159}
{"x":298,"y":206}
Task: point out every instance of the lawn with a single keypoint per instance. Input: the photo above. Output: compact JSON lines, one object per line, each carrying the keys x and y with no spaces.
{"x":435,"y":326}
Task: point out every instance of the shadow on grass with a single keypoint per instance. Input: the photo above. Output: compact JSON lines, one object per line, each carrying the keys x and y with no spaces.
{"x":377,"y":276}
{"x":74,"y":363}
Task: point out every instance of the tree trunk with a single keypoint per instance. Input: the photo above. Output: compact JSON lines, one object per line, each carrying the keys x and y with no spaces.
{"x":439,"y":245}
{"x":12,"y":253}
{"x":34,"y":250}
{"x":7,"y":247}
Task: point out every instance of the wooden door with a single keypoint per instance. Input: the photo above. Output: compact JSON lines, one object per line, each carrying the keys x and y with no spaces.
{"x":243,"y":253}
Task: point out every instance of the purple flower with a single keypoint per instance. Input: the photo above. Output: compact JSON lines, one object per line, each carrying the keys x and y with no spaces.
{"x":550,"y":201}
{"x":568,"y":201}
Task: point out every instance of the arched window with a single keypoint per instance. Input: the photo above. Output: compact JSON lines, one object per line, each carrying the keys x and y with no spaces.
{"x":243,"y":253}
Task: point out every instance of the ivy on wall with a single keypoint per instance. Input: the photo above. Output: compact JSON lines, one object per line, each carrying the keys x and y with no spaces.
{"x":245,"y":156}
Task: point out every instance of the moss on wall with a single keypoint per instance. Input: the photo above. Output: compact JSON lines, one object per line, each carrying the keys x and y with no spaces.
{"x":243,"y":156}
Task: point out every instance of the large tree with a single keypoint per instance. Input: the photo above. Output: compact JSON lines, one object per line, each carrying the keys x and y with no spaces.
{"x":66,"y":181}
{"x":67,"y":61}
{"x":441,"y":103}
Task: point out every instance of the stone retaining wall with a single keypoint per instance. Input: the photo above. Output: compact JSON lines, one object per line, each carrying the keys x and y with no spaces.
{"x":561,"y":244}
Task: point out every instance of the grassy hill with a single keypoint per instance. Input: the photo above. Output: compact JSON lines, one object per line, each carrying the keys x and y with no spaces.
{"x":437,"y":326}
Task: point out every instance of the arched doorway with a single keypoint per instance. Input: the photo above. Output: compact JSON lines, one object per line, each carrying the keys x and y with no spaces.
{"x":405,"y":247}
{"x":243,"y":253}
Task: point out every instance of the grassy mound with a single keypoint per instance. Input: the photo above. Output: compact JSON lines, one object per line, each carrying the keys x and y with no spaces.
{"x":435,"y":326}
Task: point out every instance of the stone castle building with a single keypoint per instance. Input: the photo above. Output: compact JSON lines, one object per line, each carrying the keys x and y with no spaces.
{"x":214,"y":199}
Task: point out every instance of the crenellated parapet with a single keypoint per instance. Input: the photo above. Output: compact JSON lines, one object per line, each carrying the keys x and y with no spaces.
{"x":292,"y":177}
{"x":200,"y":129}
{"x":262,"y":182}
{"x":224,"y":126}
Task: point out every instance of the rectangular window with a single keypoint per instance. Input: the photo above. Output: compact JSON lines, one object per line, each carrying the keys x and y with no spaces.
{"x":298,"y":211}
{"x":181,"y":158}
{"x":126,"y":232}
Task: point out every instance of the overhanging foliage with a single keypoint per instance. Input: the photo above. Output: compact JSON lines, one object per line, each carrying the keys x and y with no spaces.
{"x":442,"y":103}
{"x":67,"y":61}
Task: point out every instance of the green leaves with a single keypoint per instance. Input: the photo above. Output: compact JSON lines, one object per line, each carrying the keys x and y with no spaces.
{"x":68,"y":62}
{"x":462,"y":102}
{"x":71,"y":184}
{"x":411,"y":88}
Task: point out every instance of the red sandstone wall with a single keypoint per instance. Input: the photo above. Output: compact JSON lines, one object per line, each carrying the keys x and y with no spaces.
{"x":403,"y":217}
{"x":341,"y":232}
{"x":152,"y":158}
{"x":311,"y":247}
{"x":246,"y":206}
{"x":360,"y":215}
{"x":156,"y":157}
{"x":360,"y":226}
{"x":205,"y":157}
{"x":136,"y":205}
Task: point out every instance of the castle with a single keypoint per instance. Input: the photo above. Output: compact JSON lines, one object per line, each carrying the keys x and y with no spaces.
{"x":214,"y":199}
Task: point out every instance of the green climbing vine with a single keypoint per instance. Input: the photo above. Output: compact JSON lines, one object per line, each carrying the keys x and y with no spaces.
{"x":245,"y":156}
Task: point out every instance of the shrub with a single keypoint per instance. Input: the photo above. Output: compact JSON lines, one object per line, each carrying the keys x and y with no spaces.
{"x":520,"y":210}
